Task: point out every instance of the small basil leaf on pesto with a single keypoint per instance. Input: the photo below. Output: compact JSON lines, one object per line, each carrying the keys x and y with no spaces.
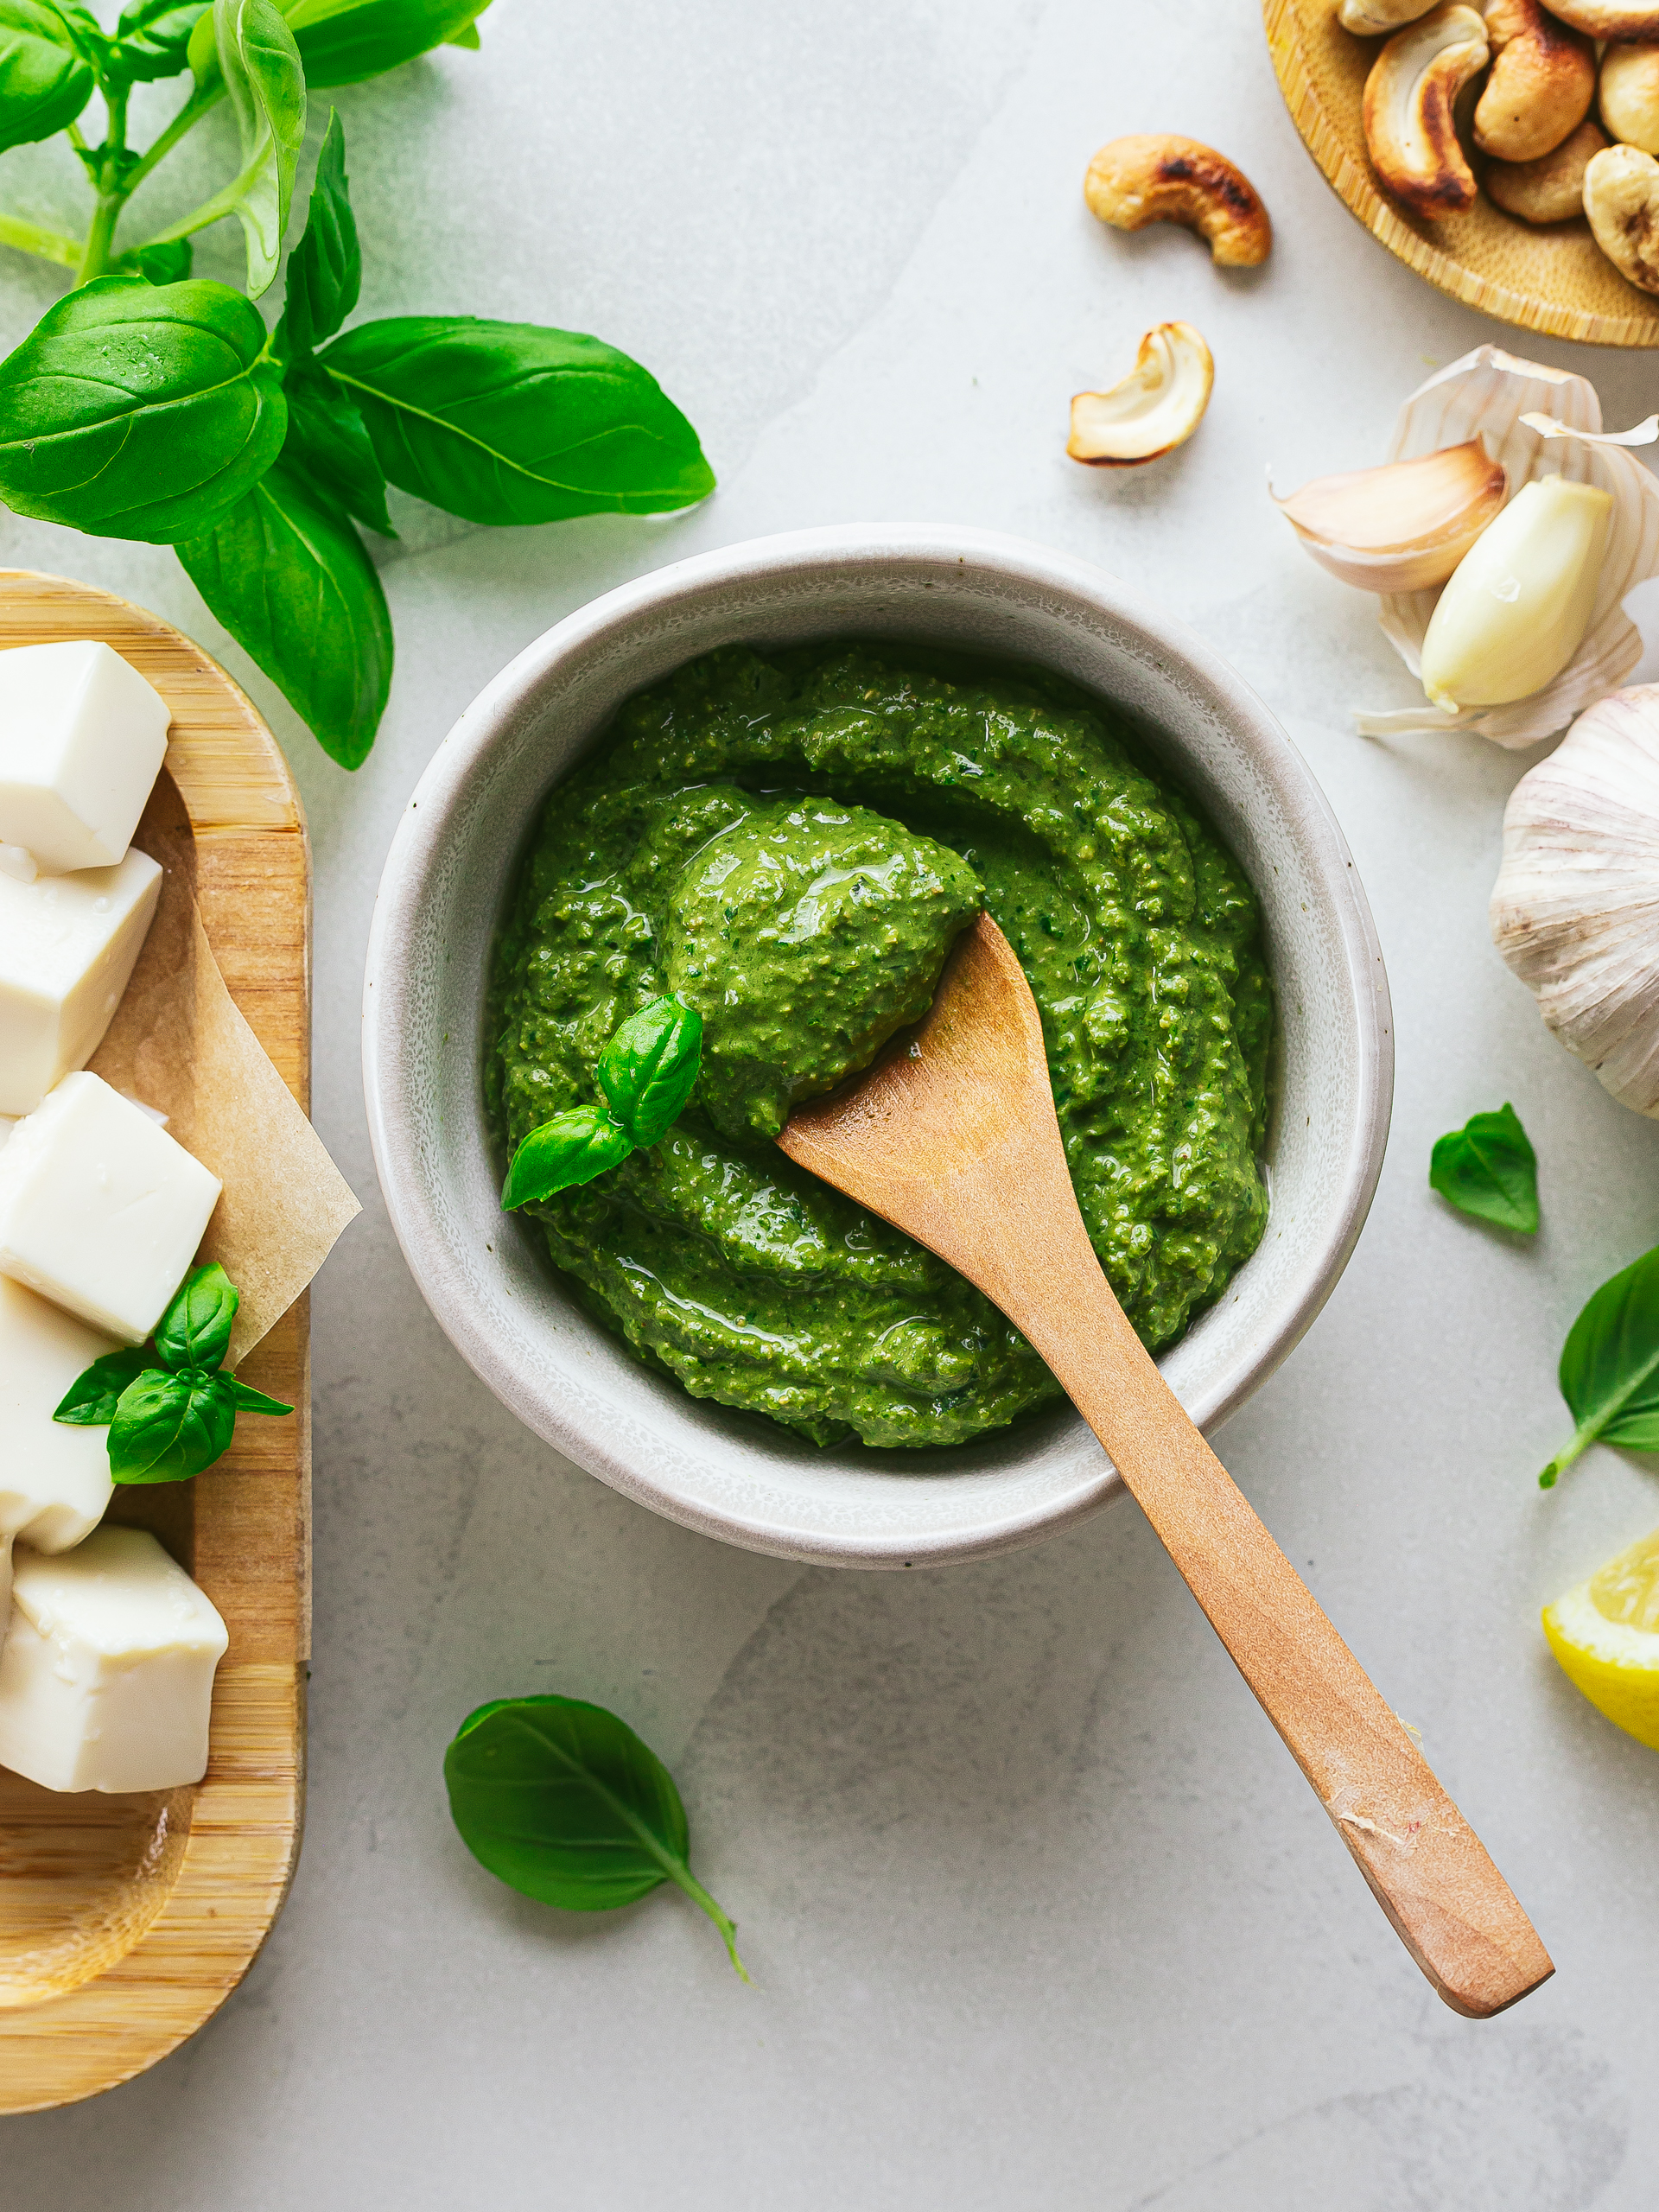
{"x":170,"y":1426}
{"x":564,"y":1802}
{"x":573,"y":1147}
{"x":195,"y":1330}
{"x":92,"y":1398}
{"x":1609,"y":1367}
{"x":650,"y":1066}
{"x":1488,"y":1168}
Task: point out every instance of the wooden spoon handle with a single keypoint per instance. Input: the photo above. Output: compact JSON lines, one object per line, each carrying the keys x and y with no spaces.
{"x":1451,"y":1907}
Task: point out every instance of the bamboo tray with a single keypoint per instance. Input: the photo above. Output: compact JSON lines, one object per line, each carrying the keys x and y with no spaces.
{"x":125,"y":1922}
{"x":1555,"y":280}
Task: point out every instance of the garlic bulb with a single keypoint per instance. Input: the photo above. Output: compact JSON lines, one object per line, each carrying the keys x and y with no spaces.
{"x":1486,"y":395}
{"x":1517,"y":610}
{"x":1155,"y":408}
{"x":1401,"y":527}
{"x":1575,"y":909}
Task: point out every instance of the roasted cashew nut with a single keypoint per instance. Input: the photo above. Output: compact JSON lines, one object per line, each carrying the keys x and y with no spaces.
{"x":1621,"y":198}
{"x":1551,"y":189}
{"x":1409,"y":127}
{"x":1155,"y":408}
{"x":1610,"y":18}
{"x":1630,"y":95}
{"x":1375,"y":18}
{"x":1166,"y":178}
{"x":1543,"y":82}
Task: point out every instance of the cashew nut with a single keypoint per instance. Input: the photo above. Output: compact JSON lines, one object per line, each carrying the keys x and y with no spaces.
{"x":1630,"y":95}
{"x":1550,"y":189}
{"x":1370,"y":18}
{"x":1621,"y":198}
{"x":1155,"y":408}
{"x":1543,"y":82}
{"x":1407,"y":110}
{"x":1166,"y":178}
{"x":1610,"y":18}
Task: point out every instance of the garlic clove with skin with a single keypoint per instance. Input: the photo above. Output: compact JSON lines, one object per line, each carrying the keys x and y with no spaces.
{"x":1575,"y":909}
{"x":1404,"y":526}
{"x":1517,"y":609}
{"x":1152,"y":409}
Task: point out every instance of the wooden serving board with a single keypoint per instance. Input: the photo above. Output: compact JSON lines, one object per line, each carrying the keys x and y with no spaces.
{"x":125,"y":1922}
{"x":1554,"y":279}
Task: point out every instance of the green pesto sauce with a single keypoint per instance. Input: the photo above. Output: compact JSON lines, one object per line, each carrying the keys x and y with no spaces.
{"x":791,"y":842}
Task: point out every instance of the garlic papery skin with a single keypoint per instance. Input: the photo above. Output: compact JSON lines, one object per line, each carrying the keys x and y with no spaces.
{"x":1517,"y":609}
{"x":1401,"y":527}
{"x":1487,"y":394}
{"x":1155,"y":408}
{"x":1575,"y":909}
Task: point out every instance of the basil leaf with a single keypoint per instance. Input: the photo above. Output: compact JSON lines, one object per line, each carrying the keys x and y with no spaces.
{"x":169,"y":264}
{"x":249,"y":1401}
{"x":1609,"y":1367}
{"x":564,"y":1803}
{"x":195,"y":1330}
{"x":139,"y":410}
{"x":509,"y":422}
{"x":266,"y":79}
{"x":344,"y":41}
{"x":153,"y":39}
{"x":85,"y":33}
{"x":91,"y":1399}
{"x":287,"y":574}
{"x":1488,"y":1168}
{"x":169,"y":1427}
{"x":44,"y":79}
{"x":325,"y":271}
{"x":573,"y":1147}
{"x":648,"y":1069}
{"x":328,"y":443}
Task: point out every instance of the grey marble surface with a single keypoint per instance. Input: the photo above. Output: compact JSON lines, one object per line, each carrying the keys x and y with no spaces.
{"x":1039,"y":1913}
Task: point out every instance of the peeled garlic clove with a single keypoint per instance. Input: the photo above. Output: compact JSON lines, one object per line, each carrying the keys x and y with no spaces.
{"x":1403,"y":527}
{"x":1575,"y":909}
{"x":1517,"y":609}
{"x":1155,"y":408}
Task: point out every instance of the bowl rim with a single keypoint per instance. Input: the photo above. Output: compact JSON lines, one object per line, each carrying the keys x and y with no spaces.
{"x":502,"y":705}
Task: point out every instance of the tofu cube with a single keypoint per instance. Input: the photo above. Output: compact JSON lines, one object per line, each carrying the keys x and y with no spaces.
{"x":82,"y":738}
{"x":100,"y":1210}
{"x":55,"y":1480}
{"x":67,"y":947}
{"x":106,"y":1672}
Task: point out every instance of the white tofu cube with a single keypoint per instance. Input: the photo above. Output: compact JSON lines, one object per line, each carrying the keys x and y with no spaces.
{"x":68,"y":948}
{"x":55,"y":1480}
{"x":82,"y":738}
{"x":100,"y":1210}
{"x":106,"y":1672}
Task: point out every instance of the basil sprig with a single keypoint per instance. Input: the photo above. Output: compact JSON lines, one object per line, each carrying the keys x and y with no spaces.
{"x":564,"y":1803}
{"x":1488,"y":1168}
{"x":1609,"y":1367}
{"x":149,"y":406}
{"x":169,"y":1410}
{"x":647,"y":1071}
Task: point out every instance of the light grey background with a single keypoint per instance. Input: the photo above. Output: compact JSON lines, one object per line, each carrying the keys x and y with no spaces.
{"x":1039,"y":1913}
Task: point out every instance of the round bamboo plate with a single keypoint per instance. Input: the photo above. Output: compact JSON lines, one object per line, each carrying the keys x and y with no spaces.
{"x":125,"y":1922}
{"x":1555,"y":280}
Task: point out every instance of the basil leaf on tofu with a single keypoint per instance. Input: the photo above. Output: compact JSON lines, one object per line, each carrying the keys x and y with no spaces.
{"x":45,"y":81}
{"x":510,"y":422}
{"x":1488,"y":1168}
{"x":564,"y":1803}
{"x":170,"y":1426}
{"x":288,"y":576}
{"x":195,"y":1330}
{"x":573,"y":1147}
{"x":648,"y":1069}
{"x":92,"y":1398}
{"x":1609,"y":1367}
{"x":140,"y":410}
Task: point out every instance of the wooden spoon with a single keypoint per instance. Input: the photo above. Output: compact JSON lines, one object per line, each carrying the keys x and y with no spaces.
{"x":953,"y":1137}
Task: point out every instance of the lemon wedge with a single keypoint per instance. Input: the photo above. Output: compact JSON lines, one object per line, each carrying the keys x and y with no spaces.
{"x":1606,"y":1635}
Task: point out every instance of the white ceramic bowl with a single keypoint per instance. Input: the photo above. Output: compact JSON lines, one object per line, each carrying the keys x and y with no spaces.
{"x":442,"y":897}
